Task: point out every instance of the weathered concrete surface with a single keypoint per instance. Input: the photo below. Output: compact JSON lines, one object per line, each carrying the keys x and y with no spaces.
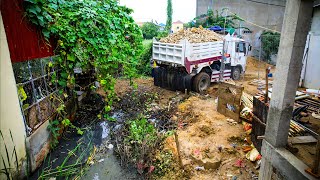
{"x":285,"y":161}
{"x":38,"y":145}
{"x":294,"y":32}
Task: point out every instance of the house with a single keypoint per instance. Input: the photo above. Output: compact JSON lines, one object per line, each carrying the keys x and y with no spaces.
{"x":140,"y":24}
{"x":162,"y":26}
{"x":176,"y":26}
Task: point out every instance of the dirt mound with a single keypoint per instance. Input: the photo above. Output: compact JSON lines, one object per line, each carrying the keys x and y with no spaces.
{"x":193,"y":35}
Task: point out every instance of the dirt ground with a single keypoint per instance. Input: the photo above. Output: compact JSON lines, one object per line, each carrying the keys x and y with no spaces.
{"x":204,"y":134}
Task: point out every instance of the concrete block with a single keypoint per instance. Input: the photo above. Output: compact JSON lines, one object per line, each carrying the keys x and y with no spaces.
{"x":38,"y":145}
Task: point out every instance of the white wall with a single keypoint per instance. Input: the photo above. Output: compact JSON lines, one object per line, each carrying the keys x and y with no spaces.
{"x":311,"y":68}
{"x":10,"y":113}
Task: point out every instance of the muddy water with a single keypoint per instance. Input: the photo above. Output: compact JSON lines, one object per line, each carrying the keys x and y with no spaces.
{"x":97,"y":134}
{"x":107,"y":165}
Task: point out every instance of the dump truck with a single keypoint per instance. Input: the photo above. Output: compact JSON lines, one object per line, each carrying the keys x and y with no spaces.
{"x":193,"y":66}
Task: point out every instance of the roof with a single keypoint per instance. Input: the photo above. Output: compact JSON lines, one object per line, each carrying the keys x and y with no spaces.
{"x":178,"y":22}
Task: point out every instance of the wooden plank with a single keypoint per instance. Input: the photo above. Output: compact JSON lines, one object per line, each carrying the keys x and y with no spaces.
{"x":302,"y":140}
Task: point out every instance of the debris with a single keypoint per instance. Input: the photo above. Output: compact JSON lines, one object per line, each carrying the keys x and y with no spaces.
{"x":316,"y":115}
{"x":253,"y":155}
{"x":232,"y":122}
{"x":193,"y":35}
{"x":246,"y":113}
{"x":199,"y":168}
{"x":110,"y":146}
{"x":302,"y":140}
{"x":239,"y":163}
{"x":151,"y":169}
{"x":101,"y":160}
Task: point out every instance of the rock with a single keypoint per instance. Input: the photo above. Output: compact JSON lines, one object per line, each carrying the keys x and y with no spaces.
{"x":207,"y":163}
{"x":174,"y":118}
{"x":199,"y":168}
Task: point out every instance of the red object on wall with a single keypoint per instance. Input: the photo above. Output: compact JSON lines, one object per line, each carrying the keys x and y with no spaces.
{"x":24,"y":39}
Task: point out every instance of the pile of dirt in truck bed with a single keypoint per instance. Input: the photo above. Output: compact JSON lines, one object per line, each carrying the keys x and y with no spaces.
{"x":193,"y":35}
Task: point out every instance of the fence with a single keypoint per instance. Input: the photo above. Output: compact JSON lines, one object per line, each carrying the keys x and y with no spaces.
{"x":37,"y":90}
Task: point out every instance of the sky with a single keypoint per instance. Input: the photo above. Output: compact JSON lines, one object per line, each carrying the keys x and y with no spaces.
{"x":147,"y":10}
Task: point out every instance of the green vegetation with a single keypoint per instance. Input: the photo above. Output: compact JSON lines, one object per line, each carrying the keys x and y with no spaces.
{"x":144,"y":68}
{"x":94,"y":33}
{"x":10,"y":170}
{"x":270,"y":44}
{"x":214,"y":19}
{"x":90,"y":34}
{"x":150,"y":30}
{"x":169,"y":16}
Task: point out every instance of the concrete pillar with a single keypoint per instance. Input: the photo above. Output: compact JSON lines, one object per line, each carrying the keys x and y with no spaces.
{"x":296,"y":24}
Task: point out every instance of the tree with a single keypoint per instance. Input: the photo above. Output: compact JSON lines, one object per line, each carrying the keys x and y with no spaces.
{"x":149,"y":30}
{"x":169,"y":16}
{"x":270,"y":44}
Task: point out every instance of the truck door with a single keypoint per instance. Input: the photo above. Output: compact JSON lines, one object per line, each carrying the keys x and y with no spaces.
{"x":240,"y":55}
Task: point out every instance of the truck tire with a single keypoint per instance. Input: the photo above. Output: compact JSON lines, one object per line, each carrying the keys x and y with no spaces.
{"x":235,"y":73}
{"x":201,"y":82}
{"x":156,"y":76}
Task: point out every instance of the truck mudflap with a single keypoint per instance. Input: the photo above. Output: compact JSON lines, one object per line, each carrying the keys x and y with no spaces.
{"x":172,"y":80}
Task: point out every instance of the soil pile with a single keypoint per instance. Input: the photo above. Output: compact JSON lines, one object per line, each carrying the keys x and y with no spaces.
{"x":193,"y":35}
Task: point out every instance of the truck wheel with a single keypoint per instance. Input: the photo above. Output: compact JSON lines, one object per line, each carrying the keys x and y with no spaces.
{"x":235,"y":73}
{"x":201,"y":82}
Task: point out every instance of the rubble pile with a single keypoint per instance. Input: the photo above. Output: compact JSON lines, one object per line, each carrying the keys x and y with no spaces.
{"x":193,"y":35}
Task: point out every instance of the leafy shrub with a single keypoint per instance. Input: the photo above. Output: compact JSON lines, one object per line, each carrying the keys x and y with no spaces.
{"x":144,"y":66}
{"x":270,"y":44}
{"x":149,"y":30}
{"x":94,"y":33}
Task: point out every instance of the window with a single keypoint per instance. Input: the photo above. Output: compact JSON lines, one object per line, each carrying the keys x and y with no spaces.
{"x":247,"y":32}
{"x":178,"y":27}
{"x":241,"y":47}
{"x":37,"y":90}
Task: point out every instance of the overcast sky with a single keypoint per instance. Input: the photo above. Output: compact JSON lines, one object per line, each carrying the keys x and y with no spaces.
{"x":146,"y":10}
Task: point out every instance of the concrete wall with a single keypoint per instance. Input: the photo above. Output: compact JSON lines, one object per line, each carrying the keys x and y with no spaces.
{"x":10,"y":114}
{"x":266,"y":13}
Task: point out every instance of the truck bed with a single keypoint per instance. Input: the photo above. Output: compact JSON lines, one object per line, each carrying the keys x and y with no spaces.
{"x":176,"y":54}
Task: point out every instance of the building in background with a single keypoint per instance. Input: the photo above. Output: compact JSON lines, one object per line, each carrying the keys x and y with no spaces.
{"x":265,"y":13}
{"x":176,"y":26}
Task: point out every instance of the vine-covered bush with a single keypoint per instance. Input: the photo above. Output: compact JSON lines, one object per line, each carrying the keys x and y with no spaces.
{"x":98,"y":33}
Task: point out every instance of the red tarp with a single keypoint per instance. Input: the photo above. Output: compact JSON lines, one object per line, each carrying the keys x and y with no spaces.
{"x":24,"y":39}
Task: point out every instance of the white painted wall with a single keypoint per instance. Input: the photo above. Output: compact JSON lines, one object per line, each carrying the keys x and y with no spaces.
{"x":10,"y":113}
{"x":311,"y":68}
